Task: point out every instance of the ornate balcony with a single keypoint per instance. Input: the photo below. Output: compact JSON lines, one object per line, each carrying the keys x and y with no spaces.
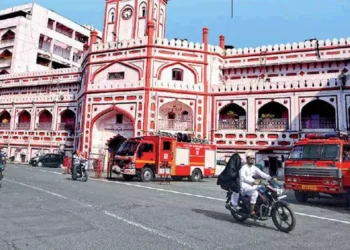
{"x":319,"y":123}
{"x":44,"y":126}
{"x":268,"y":124}
{"x":175,"y":124}
{"x":232,"y":124}
{"x":23,"y":126}
{"x":5,"y":126}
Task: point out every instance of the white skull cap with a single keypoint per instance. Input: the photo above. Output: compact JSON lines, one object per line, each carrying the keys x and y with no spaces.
{"x":250,"y":153}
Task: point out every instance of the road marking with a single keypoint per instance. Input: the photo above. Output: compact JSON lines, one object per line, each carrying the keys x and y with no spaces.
{"x":213,"y":198}
{"x":147,"y":229}
{"x":323,"y":218}
{"x":135,"y":224}
{"x":195,"y":195}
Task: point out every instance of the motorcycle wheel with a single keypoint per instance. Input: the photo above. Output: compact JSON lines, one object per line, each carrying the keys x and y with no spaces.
{"x":85,"y":176}
{"x":279,"y":218}
{"x":239,"y":217}
{"x":74,"y":173}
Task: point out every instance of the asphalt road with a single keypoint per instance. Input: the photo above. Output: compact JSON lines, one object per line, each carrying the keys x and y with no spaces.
{"x":44,"y":209}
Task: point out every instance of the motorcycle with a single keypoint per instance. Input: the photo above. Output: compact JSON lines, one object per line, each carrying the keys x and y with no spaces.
{"x":269,"y":204}
{"x":80,"y":170}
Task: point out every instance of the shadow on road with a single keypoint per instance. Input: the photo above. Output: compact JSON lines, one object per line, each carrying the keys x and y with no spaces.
{"x":227,"y":217}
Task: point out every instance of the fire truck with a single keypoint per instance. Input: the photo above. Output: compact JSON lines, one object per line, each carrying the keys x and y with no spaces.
{"x":166,"y":155}
{"x":319,"y":164}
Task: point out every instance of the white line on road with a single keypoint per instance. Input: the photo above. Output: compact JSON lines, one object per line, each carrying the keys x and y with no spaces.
{"x":147,"y":229}
{"x":138,"y":225}
{"x":196,"y":195}
{"x":213,"y":198}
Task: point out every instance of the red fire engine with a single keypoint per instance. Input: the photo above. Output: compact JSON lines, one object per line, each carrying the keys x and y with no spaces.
{"x":165,"y":155}
{"x":319,"y":163}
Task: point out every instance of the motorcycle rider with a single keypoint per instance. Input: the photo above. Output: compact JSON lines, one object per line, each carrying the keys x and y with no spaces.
{"x":248,"y":185}
{"x":3,"y":154}
{"x":229,"y":179}
{"x":77,"y":157}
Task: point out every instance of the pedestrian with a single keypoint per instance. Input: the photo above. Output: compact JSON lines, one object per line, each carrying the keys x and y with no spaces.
{"x":229,"y":179}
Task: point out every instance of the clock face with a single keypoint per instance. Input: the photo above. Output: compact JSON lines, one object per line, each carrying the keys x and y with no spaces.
{"x":127,"y":13}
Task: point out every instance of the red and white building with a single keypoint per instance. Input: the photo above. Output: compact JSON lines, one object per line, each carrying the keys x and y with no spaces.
{"x":137,"y":82}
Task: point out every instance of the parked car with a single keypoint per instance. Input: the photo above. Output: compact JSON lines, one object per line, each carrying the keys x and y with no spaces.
{"x":47,"y":160}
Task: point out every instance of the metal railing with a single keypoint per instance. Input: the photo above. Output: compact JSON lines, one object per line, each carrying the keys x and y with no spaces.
{"x":44,"y":126}
{"x":23,"y":126}
{"x":66,"y":126}
{"x":233,"y":124}
{"x":273,"y":124}
{"x":320,"y":123}
{"x":175,"y":124}
{"x":4,"y":126}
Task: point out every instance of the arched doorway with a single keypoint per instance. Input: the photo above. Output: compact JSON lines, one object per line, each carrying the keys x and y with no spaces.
{"x":273,"y":116}
{"x":175,"y":116}
{"x":67,"y":120}
{"x":232,"y":116}
{"x":318,"y":114}
{"x":45,"y":120}
{"x":5,"y":120}
{"x":109,"y":129}
{"x":24,"y":119}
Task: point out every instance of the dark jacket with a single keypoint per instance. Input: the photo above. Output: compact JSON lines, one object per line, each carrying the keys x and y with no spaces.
{"x":229,"y":178}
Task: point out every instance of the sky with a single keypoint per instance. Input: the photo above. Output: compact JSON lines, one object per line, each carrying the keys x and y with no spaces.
{"x":254,"y":22}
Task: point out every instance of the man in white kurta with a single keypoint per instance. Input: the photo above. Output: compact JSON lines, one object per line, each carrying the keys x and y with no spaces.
{"x":248,"y":185}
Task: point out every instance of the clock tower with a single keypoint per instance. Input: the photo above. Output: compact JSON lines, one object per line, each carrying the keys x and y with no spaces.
{"x":127,"y":19}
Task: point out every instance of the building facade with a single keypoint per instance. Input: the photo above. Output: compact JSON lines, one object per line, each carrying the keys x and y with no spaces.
{"x":33,"y":38}
{"x":136,"y":82}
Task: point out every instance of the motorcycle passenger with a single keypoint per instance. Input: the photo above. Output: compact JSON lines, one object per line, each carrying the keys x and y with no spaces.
{"x":248,"y":184}
{"x":229,"y":179}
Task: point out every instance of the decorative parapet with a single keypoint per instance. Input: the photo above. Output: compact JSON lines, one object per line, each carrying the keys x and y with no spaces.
{"x":181,"y":44}
{"x":41,"y":73}
{"x":119,"y":85}
{"x":254,"y":85}
{"x":290,"y":47}
{"x":125,"y":44}
{"x":215,"y":49}
{"x":178,"y":85}
{"x":302,"y":52}
{"x":41,"y":78}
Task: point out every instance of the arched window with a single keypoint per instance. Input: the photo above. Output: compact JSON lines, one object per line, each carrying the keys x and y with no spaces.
{"x":155,"y":12}
{"x":273,"y":116}
{"x":177,"y":75}
{"x":111,"y":15}
{"x":318,"y":114}
{"x":143,"y":9}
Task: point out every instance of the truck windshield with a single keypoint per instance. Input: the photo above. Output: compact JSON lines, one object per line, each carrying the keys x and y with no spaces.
{"x":128,"y":148}
{"x":315,"y":152}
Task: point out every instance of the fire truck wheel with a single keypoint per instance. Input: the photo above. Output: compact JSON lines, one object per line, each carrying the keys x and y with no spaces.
{"x":196,"y":175}
{"x":146,"y":175}
{"x":301,"y":196}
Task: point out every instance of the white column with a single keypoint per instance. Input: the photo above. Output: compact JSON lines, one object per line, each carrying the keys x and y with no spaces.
{"x":251,"y":115}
